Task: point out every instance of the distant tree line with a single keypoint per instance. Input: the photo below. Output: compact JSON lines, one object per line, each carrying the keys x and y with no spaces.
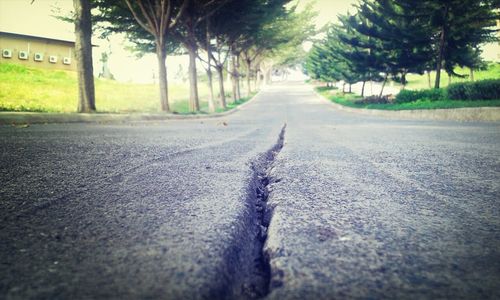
{"x":391,"y":38}
{"x":243,"y":38}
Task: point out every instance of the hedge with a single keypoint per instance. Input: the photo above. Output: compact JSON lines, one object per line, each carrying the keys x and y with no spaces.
{"x":406,"y":96}
{"x":479,"y":90}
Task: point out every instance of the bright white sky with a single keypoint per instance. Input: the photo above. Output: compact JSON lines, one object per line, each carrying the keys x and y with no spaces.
{"x":20,"y":16}
{"x":329,"y":9}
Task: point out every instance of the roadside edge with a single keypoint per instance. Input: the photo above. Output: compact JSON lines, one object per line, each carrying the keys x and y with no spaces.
{"x":468,"y":114}
{"x":8,"y":118}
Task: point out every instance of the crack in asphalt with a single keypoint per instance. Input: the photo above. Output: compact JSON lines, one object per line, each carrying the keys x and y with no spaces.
{"x":258,"y":286}
{"x":250,"y":278}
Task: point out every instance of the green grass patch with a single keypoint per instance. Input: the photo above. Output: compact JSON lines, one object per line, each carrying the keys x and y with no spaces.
{"x":428,"y":104}
{"x":350,"y":101}
{"x":39,"y":90}
{"x":231,"y":105}
{"x":418,"y":82}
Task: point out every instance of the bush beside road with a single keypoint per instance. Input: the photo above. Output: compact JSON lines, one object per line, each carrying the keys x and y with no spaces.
{"x":462,"y":94}
{"x":355,"y":101}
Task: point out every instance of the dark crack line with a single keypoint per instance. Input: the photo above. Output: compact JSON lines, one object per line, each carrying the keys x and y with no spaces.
{"x":259,"y":285}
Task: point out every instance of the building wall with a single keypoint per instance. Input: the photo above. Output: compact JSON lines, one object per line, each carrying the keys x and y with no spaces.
{"x":46,"y":47}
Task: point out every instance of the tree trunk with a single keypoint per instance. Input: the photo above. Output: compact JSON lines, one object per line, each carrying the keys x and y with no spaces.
{"x":267,"y":76}
{"x":83,"y":53}
{"x":383,"y":86}
{"x":442,"y":40}
{"x":363,"y":89}
{"x":220,"y":73}
{"x":429,"y":78}
{"x":237,"y":68}
{"x":257,"y":79}
{"x":471,"y":74}
{"x":350,"y":88}
{"x":249,"y":80}
{"x":211,"y":105}
{"x":229,"y":75}
{"x":343,"y":88}
{"x":194,"y":102}
{"x":161,"y":56}
{"x":449,"y":79}
{"x":234,"y":76}
{"x":403,"y":80}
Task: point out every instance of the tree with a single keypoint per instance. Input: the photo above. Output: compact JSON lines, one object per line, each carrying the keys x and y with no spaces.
{"x":396,"y":37}
{"x":330,"y":59}
{"x":338,"y":56}
{"x":402,"y":42}
{"x":322,"y":65}
{"x":83,"y":21}
{"x":363,"y":54}
{"x":241,"y":26}
{"x":196,"y":12}
{"x":208,"y":47}
{"x":149,"y":19}
{"x":83,"y":53}
{"x":458,"y":27}
{"x":279,"y":42}
{"x":217,"y":53}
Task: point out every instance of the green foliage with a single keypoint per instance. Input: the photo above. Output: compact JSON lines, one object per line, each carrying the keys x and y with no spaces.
{"x":406,"y":96}
{"x":479,"y":90}
{"x":374,"y":100}
{"x":456,"y":30}
{"x":399,"y":37}
{"x":325,"y":88}
{"x":296,"y":28}
{"x":354,"y":101}
{"x":114,"y":16}
{"x":56,"y":91}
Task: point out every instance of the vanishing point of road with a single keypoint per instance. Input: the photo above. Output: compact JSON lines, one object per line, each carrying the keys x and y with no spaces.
{"x":285,"y":199}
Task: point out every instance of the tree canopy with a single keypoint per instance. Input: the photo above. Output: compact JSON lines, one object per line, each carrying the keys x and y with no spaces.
{"x":397,"y":37}
{"x":246,"y":30}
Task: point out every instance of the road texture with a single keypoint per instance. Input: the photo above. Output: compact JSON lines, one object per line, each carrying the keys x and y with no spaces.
{"x":332,"y":205}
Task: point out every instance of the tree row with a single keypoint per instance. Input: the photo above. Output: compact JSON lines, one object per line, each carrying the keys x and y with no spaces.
{"x":242,"y":38}
{"x":390,"y":38}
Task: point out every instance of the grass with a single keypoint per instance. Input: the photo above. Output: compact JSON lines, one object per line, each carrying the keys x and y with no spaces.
{"x":349,"y":100}
{"x":40,"y":90}
{"x":238,"y":102}
{"x":418,"y":82}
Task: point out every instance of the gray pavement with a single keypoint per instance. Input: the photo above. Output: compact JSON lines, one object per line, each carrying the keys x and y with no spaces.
{"x":361,"y":207}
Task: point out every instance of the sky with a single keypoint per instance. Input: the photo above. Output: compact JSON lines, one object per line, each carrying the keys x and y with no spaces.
{"x":328,"y":9}
{"x":20,"y":16}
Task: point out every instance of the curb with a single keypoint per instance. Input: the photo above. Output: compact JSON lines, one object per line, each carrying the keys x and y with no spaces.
{"x":466,"y":114}
{"x":8,"y":118}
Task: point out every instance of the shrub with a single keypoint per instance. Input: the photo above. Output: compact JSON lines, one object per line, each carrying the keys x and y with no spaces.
{"x":325,"y":88}
{"x":479,"y":90}
{"x":406,"y":96}
{"x":374,"y":100}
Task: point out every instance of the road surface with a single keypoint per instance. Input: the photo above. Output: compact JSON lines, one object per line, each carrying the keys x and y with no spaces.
{"x":286,"y":199}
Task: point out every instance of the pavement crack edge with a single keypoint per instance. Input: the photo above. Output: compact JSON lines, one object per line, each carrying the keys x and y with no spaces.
{"x":258,"y":286}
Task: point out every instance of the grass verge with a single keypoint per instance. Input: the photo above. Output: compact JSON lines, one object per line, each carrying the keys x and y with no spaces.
{"x":26,"y":89}
{"x":349,"y":100}
{"x":418,"y":82}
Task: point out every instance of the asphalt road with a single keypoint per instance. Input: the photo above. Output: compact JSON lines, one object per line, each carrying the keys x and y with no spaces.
{"x":357,"y":207}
